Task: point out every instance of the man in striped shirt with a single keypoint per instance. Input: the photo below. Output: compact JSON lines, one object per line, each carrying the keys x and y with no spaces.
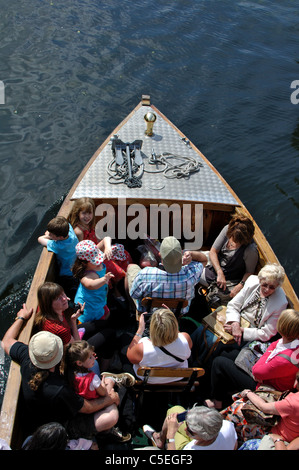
{"x":175,"y":277}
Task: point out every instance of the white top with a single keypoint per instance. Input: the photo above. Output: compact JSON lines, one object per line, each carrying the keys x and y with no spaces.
{"x":226,"y":439}
{"x":155,"y":357}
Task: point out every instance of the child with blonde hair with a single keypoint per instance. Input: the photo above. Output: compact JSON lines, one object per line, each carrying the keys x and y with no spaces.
{"x":116,"y":258}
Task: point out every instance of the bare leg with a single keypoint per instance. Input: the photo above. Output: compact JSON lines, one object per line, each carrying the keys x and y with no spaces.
{"x":107,"y":418}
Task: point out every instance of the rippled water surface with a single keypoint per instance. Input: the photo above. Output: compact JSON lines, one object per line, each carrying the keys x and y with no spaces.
{"x":72,"y":70}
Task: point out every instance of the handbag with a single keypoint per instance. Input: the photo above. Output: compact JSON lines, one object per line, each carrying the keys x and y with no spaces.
{"x":216,"y":296}
{"x":215,"y":323}
{"x":249,"y":355}
{"x":255,"y":416}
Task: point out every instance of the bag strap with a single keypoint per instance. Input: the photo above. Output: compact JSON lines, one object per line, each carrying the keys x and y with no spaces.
{"x":179,"y":359}
{"x":288,"y":358}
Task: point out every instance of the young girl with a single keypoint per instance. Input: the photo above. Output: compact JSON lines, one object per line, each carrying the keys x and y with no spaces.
{"x":116,"y":258}
{"x":78,"y":360}
{"x":92,"y":291}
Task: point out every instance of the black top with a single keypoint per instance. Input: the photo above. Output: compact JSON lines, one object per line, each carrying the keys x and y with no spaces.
{"x":53,"y":401}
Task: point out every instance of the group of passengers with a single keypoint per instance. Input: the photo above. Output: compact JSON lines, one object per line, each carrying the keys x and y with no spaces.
{"x":66,"y":382}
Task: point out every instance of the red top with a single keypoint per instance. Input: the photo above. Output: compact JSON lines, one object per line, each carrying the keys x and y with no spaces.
{"x":61,"y":329}
{"x":82,"y":385}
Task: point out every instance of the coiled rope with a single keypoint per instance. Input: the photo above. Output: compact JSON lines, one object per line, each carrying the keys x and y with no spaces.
{"x":119,"y":174}
{"x":187,"y":166}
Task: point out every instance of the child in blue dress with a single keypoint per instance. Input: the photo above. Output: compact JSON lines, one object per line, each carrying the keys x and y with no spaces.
{"x":93,"y":288}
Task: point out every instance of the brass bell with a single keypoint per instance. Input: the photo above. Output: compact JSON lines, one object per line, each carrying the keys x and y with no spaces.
{"x":149,"y":118}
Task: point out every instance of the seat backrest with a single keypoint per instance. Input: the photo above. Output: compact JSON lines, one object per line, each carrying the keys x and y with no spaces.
{"x":175,"y":305}
{"x":170,"y":371}
{"x":189,"y":373}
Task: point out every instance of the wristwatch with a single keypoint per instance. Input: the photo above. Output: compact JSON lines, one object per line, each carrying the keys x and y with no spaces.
{"x":170,"y":440}
{"x":20,"y":318}
{"x":277,"y":440}
{"x":242,"y":282}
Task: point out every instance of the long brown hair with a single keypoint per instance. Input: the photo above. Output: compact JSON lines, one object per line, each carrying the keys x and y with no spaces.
{"x":83,"y":204}
{"x":46,"y":294}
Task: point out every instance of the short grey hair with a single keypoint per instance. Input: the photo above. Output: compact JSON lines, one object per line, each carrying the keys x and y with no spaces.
{"x":205,"y":422}
{"x":272,"y":272}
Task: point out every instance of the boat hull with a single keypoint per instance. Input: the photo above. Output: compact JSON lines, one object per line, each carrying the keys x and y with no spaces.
{"x":205,"y":188}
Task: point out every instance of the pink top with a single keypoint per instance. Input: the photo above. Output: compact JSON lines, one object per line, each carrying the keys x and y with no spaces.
{"x":277,"y":371}
{"x":288,"y":426}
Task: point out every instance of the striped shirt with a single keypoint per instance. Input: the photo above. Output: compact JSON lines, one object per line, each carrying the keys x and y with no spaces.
{"x":155,"y":282}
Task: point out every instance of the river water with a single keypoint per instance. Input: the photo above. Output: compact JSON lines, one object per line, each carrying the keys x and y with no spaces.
{"x":221,"y":70}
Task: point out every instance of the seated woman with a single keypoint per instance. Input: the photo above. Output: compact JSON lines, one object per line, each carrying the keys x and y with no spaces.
{"x":53,"y":303}
{"x":287,"y":409}
{"x":275,"y":367}
{"x":233,"y":255}
{"x":260,"y":302}
{"x":164,"y":332}
{"x":200,"y":429}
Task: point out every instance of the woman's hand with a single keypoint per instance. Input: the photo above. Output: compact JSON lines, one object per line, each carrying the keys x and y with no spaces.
{"x":24,"y":312}
{"x":172,"y":425}
{"x":79,"y":312}
{"x":235,"y":330}
{"x":244,"y":393}
{"x":221,"y":281}
{"x":235,"y":290}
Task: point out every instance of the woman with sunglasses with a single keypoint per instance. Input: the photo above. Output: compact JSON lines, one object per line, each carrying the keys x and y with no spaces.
{"x":260,"y":303}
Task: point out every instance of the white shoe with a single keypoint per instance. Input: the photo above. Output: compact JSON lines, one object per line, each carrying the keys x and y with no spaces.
{"x":149,"y":431}
{"x":125,"y":379}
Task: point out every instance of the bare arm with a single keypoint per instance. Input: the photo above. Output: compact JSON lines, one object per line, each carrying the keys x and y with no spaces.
{"x":97,"y":404}
{"x":13,"y":332}
{"x":105,"y":246}
{"x":221,"y":281}
{"x":189,"y":256}
{"x":73,"y":322}
{"x":43,"y":239}
{"x":93,"y":282}
{"x":260,"y":403}
{"x":135,"y":349}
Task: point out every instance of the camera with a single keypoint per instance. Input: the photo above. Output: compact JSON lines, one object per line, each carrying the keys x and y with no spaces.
{"x":74,"y":306}
{"x":181,"y":416}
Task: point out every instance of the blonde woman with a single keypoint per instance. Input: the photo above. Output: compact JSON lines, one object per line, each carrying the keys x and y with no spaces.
{"x":260,"y":302}
{"x":163,"y":333}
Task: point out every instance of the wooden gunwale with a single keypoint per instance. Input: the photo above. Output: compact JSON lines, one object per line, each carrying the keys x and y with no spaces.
{"x":45,"y":271}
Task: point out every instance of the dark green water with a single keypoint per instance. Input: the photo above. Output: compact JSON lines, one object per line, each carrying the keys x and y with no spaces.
{"x":221,"y":71}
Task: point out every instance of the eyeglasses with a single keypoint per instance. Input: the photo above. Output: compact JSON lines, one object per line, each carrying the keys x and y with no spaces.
{"x":268,"y":286}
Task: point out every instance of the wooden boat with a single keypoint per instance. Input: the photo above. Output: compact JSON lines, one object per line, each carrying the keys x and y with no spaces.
{"x":198,"y":186}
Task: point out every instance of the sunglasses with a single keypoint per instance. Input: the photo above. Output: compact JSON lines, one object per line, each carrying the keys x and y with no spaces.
{"x":268,"y":286}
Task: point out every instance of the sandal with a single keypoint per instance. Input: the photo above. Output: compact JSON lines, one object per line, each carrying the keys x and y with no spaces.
{"x":149,"y":431}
